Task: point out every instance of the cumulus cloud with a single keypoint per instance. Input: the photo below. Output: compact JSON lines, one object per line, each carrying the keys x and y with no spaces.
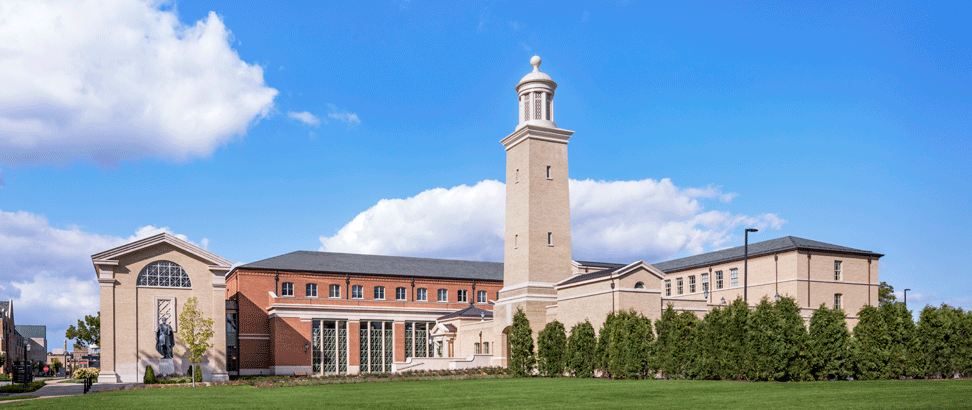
{"x":344,"y":116}
{"x":305,"y":117}
{"x":47,"y":271}
{"x":618,"y":221}
{"x":110,"y":81}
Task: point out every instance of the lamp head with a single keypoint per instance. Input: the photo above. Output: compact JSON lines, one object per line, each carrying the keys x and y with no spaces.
{"x":752,"y":230}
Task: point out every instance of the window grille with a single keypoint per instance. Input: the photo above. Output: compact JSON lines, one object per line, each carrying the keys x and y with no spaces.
{"x":547,"y":98}
{"x":678,"y":285}
{"x":837,"y":270}
{"x":164,"y":274}
{"x":668,"y":287}
{"x":837,"y":300}
{"x":536,"y":105}
{"x":692,"y":284}
{"x":705,"y":282}
{"x":718,"y":279}
{"x":526,"y":107}
{"x":733,"y":277}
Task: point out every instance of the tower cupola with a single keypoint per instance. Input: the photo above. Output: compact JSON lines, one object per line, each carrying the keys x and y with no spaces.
{"x":536,"y":92}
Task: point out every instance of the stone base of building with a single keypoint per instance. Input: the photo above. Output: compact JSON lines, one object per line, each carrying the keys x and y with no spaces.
{"x":108,"y":377}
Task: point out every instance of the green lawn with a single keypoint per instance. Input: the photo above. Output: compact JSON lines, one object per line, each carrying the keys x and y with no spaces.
{"x":542,"y":394}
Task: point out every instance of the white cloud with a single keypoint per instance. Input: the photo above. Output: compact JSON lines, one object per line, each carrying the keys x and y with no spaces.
{"x":47,"y":271}
{"x":305,"y":117}
{"x":344,"y":116}
{"x":111,"y":81}
{"x":618,"y":221}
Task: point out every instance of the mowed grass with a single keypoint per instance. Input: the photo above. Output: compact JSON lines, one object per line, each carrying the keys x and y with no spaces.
{"x":536,"y":393}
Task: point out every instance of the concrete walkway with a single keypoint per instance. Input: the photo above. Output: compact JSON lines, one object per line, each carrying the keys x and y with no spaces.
{"x":55,"y":389}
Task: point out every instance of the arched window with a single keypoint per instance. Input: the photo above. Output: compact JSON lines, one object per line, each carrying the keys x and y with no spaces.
{"x":639,"y":285}
{"x":164,"y":274}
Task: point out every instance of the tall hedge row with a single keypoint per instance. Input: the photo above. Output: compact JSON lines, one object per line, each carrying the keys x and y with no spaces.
{"x":770,"y":341}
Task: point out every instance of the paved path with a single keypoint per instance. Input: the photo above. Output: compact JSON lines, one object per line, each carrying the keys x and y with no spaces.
{"x":52,"y":389}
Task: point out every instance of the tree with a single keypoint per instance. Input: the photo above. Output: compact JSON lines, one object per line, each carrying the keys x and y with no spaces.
{"x":552,"y":349}
{"x":674,"y":351}
{"x":796,"y":353}
{"x":829,"y":344}
{"x":56,"y":364}
{"x":766,"y":343}
{"x":885,"y":294}
{"x":88,"y":331}
{"x":195,"y":331}
{"x":581,"y":350}
{"x":901,"y":330}
{"x":521,"y":360}
{"x":626,"y":342}
{"x":870,"y":345}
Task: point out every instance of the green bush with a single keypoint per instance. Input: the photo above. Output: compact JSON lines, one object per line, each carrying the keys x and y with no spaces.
{"x":552,"y":349}
{"x":19,"y":388}
{"x":86,"y":372}
{"x":197,"y":374}
{"x":149,"y":377}
{"x":829,"y":345}
{"x":581,"y":350}
{"x":521,"y":358}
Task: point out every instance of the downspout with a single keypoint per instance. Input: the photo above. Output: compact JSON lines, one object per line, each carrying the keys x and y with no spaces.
{"x":776,"y":261}
{"x":808,"y":279}
{"x":869,"y":281}
{"x":276,"y":283}
{"x":413,"y":290}
{"x":347,"y":286}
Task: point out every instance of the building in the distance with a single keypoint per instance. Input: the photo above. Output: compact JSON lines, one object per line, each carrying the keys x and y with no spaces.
{"x":36,"y":337}
{"x":12,"y":344}
{"x":336,"y":313}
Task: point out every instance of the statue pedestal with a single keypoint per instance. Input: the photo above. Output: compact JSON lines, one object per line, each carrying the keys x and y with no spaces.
{"x":166,"y":366}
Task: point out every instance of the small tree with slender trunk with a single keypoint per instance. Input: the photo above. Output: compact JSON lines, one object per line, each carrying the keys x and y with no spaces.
{"x":521,"y":359}
{"x":195,"y":331}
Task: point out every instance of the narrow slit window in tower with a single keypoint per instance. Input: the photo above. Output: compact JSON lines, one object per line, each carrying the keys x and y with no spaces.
{"x":549,"y":238}
{"x":548,"y":172}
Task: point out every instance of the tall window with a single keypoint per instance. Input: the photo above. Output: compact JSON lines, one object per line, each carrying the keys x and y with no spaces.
{"x":376,"y":346}
{"x":837,"y":270}
{"x":549,"y":238}
{"x":334,"y":291}
{"x":481,"y":296}
{"x":379,"y":292}
{"x":705,"y":282}
{"x":478,"y":348}
{"x":837,"y":300}
{"x":485,"y":347}
{"x":422,"y":294}
{"x":310,"y":290}
{"x":733,"y":277}
{"x":443,"y":295}
{"x":548,"y":172}
{"x":329,"y":341}
{"x":718,"y":279}
{"x":287,"y":289}
{"x":692,"y":284}
{"x":668,"y":287}
{"x":417,"y":343}
{"x":461,"y":296}
{"x":357,"y":292}
{"x":678,"y":285}
{"x":164,"y":274}
{"x":400,"y":293}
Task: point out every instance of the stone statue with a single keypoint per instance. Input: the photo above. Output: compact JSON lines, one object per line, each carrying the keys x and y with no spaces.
{"x":164,"y":340}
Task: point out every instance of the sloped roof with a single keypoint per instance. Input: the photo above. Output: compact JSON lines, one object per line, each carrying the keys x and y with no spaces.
{"x":592,"y":275}
{"x":156,"y":239}
{"x":332,"y":262}
{"x":787,"y":243}
{"x":32,"y":331}
{"x":469,"y":312}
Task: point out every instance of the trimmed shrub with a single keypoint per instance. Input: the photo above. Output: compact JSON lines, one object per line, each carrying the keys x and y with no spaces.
{"x":582,"y":350}
{"x":830,"y":341}
{"x":796,"y":350}
{"x":870,"y":345}
{"x":521,"y":359}
{"x":197,"y":374}
{"x":149,"y":377}
{"x":552,"y":349}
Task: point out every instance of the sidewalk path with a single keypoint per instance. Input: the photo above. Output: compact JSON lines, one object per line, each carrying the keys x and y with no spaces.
{"x":75,"y":389}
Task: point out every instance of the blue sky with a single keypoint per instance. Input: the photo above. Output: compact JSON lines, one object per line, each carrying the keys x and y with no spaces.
{"x":260,"y":129}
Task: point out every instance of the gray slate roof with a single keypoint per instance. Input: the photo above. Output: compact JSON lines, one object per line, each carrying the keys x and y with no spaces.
{"x":470,"y":312}
{"x":331,"y":262}
{"x":592,"y":275}
{"x":787,"y":243}
{"x":32,"y":331}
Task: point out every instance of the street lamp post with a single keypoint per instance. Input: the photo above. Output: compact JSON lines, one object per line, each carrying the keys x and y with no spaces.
{"x":746,"y":265}
{"x":906,"y":297}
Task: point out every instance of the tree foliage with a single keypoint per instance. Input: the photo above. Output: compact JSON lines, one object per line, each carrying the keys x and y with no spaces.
{"x":830,"y":345}
{"x":582,"y":350}
{"x":552,"y":350}
{"x":675,"y":349}
{"x":624,"y":345}
{"x":195,"y":330}
{"x":886,"y":294}
{"x":521,"y":358}
{"x":87,"y":332}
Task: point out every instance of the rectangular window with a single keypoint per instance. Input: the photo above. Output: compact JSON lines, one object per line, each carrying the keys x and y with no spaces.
{"x":422,"y":294}
{"x":718,"y":279}
{"x":692,"y":284}
{"x":376,"y":346}
{"x":705,"y":282}
{"x":334,"y":291}
{"x":417,"y":343}
{"x":379,"y":292}
{"x":329,"y":343}
{"x":485,"y":347}
{"x":311,"y":290}
{"x":678,"y":285}
{"x":836,"y":270}
{"x":443,"y":295}
{"x":837,"y":300}
{"x":357,"y":292}
{"x":400,"y":293}
{"x":481,"y":296}
{"x":668,"y":287}
{"x":733,"y":278}
{"x":549,"y":238}
{"x":478,"y":348}
{"x":461,"y":296}
{"x":287,"y":289}
{"x":548,"y":172}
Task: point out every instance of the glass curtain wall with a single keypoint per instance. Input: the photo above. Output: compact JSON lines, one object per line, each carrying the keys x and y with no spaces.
{"x":330,"y":341}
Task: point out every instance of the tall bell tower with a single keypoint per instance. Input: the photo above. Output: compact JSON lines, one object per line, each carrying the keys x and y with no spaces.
{"x":536,"y":252}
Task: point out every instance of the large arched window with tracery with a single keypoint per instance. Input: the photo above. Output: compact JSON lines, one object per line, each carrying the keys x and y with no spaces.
{"x":164,"y":274}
